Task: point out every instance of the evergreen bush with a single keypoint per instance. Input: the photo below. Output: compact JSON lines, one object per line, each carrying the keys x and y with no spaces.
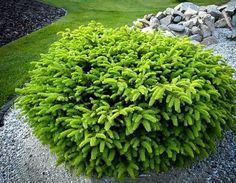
{"x":117,"y":102}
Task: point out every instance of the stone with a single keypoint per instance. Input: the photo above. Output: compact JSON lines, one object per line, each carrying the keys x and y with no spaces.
{"x":186,"y":32}
{"x":196,"y":37}
{"x":176,"y":27}
{"x":167,"y":20}
{"x":234,"y":20}
{"x":169,"y":11}
{"x":163,"y":27}
{"x":221,"y":23}
{"x":177,"y":19}
{"x":195,"y":42}
{"x":232,"y":36}
{"x":209,"y":40}
{"x":205,"y":31}
{"x":222,"y":7}
{"x":190,"y":12}
{"x":196,"y":30}
{"x":230,"y":9}
{"x":148,"y":17}
{"x":168,"y":33}
{"x":160,"y":15}
{"x":186,"y":5}
{"x":202,"y":14}
{"x":209,"y":21}
{"x":213,"y":11}
{"x":154,"y":20}
{"x":147,"y":29}
{"x":190,"y":23}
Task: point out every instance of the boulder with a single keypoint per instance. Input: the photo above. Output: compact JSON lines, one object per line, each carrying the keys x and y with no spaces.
{"x":148,"y":16}
{"x":167,"y":20}
{"x":230,"y":9}
{"x":221,"y":23}
{"x":205,"y":31}
{"x":222,"y":7}
{"x":160,"y":15}
{"x":163,"y":27}
{"x":186,"y":5}
{"x":196,"y":37}
{"x":169,"y":11}
{"x":213,"y":11}
{"x":209,"y":40}
{"x":147,"y":29}
{"x":234,"y":20}
{"x":154,"y":21}
{"x":190,"y":23}
{"x":195,"y":30}
{"x":177,"y":19}
{"x":210,"y":22}
{"x":176,"y":27}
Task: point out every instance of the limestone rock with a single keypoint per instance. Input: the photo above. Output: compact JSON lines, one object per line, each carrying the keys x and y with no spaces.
{"x":148,"y":17}
{"x":205,"y":30}
{"x":209,"y":40}
{"x":196,"y":37}
{"x":196,"y":30}
{"x":177,"y":19}
{"x":230,"y":9}
{"x":154,"y":20}
{"x":160,"y":15}
{"x":221,"y":23}
{"x":167,"y":20}
{"x":176,"y":27}
{"x":210,"y":22}
{"x":147,"y":29}
{"x":169,"y":11}
{"x":234,"y":21}
{"x":163,"y":27}
{"x":213,"y":11}
{"x":186,"y":5}
{"x":190,"y":23}
{"x":232,"y":36}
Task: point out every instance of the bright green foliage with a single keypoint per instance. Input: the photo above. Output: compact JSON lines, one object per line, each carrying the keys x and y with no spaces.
{"x":118,"y":102}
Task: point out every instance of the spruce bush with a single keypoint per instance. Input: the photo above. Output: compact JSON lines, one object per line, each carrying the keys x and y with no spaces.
{"x":117,"y":102}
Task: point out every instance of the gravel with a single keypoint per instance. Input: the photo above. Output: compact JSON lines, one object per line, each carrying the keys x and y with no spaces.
{"x":21,"y":17}
{"x":24,"y":160}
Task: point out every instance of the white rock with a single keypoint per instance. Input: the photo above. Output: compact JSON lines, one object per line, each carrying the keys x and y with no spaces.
{"x":190,"y":11}
{"x":190,"y":23}
{"x":168,"y":33}
{"x":196,"y":37}
{"x":169,"y":11}
{"x":196,"y":30}
{"x":167,"y":20}
{"x":148,"y":16}
{"x":230,"y":9}
{"x":213,"y":11}
{"x":160,"y":15}
{"x":234,"y":20}
{"x":177,"y":19}
{"x":154,"y":20}
{"x":209,"y":40}
{"x":206,"y":31}
{"x":176,"y":27}
{"x":186,"y":5}
{"x":147,"y":29}
{"x":210,"y":22}
{"x":221,"y":23}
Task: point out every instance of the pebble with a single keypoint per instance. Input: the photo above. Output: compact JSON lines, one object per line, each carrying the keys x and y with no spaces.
{"x":176,"y":27}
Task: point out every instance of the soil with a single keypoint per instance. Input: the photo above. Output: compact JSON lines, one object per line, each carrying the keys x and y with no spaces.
{"x":21,"y":17}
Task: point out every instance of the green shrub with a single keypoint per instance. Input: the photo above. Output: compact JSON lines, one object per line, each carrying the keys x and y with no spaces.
{"x":117,"y":102}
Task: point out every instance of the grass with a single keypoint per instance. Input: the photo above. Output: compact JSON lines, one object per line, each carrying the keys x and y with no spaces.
{"x":16,"y":56}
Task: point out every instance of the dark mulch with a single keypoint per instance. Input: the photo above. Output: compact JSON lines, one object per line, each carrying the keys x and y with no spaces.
{"x":21,"y":17}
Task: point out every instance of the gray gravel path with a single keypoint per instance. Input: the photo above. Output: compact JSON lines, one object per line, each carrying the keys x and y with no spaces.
{"x":24,"y":160}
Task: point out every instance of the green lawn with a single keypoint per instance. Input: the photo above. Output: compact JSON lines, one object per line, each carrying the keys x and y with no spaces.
{"x":15,"y":57}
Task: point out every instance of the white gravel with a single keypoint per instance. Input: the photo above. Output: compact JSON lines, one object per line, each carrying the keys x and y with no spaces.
{"x":24,"y":160}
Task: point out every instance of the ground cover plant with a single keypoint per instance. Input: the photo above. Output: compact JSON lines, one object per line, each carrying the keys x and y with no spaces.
{"x":118,"y":102}
{"x":16,"y":56}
